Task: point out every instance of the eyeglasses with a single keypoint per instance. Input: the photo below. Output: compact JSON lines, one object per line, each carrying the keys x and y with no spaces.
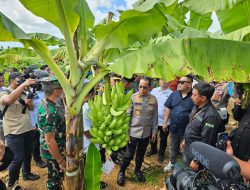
{"x":143,"y":87}
{"x":182,"y":82}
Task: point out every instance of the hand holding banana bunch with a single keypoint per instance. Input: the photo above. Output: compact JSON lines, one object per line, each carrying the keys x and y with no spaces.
{"x":109,"y":119}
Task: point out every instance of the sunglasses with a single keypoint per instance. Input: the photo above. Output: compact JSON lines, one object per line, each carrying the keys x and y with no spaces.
{"x":143,"y":87}
{"x":182,"y":82}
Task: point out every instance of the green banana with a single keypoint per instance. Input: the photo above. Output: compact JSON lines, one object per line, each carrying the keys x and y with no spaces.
{"x":96,"y":140}
{"x":103,"y":127}
{"x":109,"y":118}
{"x":93,"y":132}
{"x":117,"y":132}
{"x":104,"y":98}
{"x":115,"y":113}
{"x":112,"y":124}
{"x":101,"y":117}
{"x":115,"y":103}
{"x":113,"y":92}
{"x":115,"y":148}
{"x":100,"y":134}
{"x":107,"y":139}
{"x":108,"y":133}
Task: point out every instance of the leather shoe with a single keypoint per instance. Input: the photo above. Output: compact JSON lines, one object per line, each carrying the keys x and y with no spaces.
{"x":41,"y":164}
{"x":31,"y":177}
{"x":151,"y":152}
{"x":140,"y":176}
{"x":121,"y":178}
{"x":103,"y":185}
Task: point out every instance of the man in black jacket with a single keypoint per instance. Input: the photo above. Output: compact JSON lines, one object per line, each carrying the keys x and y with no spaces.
{"x":205,"y":122}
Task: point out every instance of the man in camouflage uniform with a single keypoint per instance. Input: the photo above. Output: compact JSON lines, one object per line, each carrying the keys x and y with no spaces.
{"x":51,"y":124}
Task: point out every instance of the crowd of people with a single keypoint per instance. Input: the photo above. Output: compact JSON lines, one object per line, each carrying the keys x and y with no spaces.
{"x":32,"y":123}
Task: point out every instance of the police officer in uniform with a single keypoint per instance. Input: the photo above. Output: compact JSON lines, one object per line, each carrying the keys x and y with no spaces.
{"x":52,"y":127}
{"x":205,"y":122}
{"x":144,"y":118}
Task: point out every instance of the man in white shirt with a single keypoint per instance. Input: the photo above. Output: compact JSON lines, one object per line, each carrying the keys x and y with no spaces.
{"x":161,"y":93}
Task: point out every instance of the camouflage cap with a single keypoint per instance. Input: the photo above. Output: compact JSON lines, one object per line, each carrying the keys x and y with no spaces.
{"x":50,"y":83}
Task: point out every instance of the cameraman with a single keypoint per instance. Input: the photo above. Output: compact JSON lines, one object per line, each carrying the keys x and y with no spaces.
{"x":240,"y":139}
{"x":17,"y":127}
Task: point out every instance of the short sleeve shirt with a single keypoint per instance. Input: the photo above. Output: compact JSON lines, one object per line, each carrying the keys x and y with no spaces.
{"x":51,"y":120}
{"x":14,"y":121}
{"x":181,"y":108}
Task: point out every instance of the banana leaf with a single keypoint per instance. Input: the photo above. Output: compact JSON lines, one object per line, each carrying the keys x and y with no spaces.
{"x":235,"y":18}
{"x":212,"y":59}
{"x":12,"y":31}
{"x":200,"y":22}
{"x":47,"y":9}
{"x":23,"y":52}
{"x":92,"y":170}
{"x":49,"y":40}
{"x":144,"y":6}
{"x":132,"y":26}
{"x":203,"y":7}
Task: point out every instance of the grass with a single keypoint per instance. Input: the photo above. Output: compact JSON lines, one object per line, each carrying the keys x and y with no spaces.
{"x":153,"y":175}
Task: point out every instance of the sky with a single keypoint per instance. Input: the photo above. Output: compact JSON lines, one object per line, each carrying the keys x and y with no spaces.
{"x":30,"y":23}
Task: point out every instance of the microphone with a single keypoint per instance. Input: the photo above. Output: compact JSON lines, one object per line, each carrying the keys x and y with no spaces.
{"x":218,"y":162}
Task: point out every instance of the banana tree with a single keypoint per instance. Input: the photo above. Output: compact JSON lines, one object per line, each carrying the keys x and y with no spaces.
{"x":164,"y":57}
{"x":74,"y":19}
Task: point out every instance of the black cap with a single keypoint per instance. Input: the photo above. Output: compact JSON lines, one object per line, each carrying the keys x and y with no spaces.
{"x":14,"y":75}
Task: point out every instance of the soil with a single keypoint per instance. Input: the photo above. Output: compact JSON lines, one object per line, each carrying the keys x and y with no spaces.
{"x":150,"y":166}
{"x":153,"y":170}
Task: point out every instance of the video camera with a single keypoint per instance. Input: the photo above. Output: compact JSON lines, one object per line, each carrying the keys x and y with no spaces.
{"x":221,"y":171}
{"x":30,"y":91}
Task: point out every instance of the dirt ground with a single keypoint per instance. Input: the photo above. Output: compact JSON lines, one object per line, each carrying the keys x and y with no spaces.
{"x":152,"y":169}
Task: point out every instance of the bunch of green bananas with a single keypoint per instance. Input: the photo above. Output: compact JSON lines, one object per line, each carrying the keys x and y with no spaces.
{"x":110,"y":122}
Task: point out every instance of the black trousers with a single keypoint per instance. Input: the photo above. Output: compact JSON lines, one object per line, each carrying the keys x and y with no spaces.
{"x":21,"y":145}
{"x":137,"y":146}
{"x":163,"y":142}
{"x":36,"y":146}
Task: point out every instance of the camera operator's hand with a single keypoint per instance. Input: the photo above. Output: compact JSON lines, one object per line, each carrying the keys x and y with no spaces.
{"x":29,"y":102}
{"x":194,"y":165}
{"x":28,"y":82}
{"x":229,"y":149}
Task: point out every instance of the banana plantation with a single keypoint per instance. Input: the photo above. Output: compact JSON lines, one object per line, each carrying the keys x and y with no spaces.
{"x":157,"y":38}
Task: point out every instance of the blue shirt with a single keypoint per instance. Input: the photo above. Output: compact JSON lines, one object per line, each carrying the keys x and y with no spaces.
{"x":180,"y":111}
{"x":34,"y":114}
{"x":161,"y":97}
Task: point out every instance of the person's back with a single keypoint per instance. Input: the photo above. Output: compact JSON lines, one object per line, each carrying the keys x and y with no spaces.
{"x":241,"y":137}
